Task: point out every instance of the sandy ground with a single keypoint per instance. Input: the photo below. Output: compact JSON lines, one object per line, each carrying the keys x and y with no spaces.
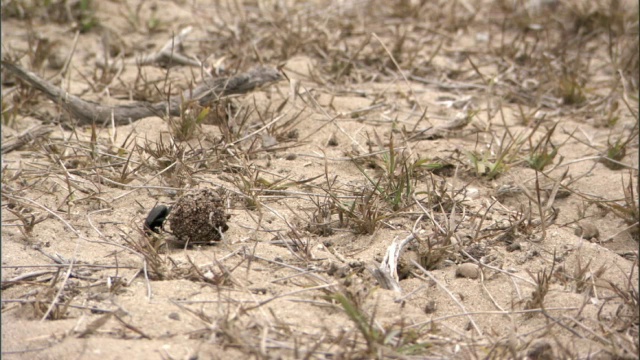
{"x":251,"y":295}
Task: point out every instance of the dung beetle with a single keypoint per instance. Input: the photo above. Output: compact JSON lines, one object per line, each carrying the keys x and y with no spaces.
{"x":156,"y":218}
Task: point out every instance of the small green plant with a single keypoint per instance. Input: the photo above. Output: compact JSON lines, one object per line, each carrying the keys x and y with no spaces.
{"x":597,"y":17}
{"x":188,"y":124}
{"x":39,"y":50}
{"x":496,"y":158}
{"x":8,"y":114}
{"x":571,"y":90}
{"x":320,"y":220}
{"x":245,"y":184}
{"x":629,"y":212}
{"x":435,"y":166}
{"x":86,"y":16}
{"x":154,"y":23}
{"x":628,"y":293}
{"x":614,"y":154}
{"x":363,"y":215}
{"x":394,"y":337}
{"x":484,"y":166}
{"x":28,"y":220}
{"x":611,"y":115}
{"x":396,"y":185}
{"x":584,"y":278}
{"x":163,"y":154}
{"x":431,"y":253}
{"x":437,"y":197}
{"x":542,"y":280}
{"x":249,"y":181}
{"x":541,"y":159}
{"x":373,"y":336}
{"x":543,"y":152}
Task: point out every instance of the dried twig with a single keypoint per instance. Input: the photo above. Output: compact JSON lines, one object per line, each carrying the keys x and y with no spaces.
{"x":25,"y":137}
{"x":210,"y":90}
{"x":387,"y":272}
{"x":8,"y":283}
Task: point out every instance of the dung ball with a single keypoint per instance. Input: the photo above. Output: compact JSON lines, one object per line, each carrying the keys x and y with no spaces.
{"x":199,"y":218}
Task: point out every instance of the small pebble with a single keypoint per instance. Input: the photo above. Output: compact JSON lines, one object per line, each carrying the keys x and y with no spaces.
{"x":293,"y":134}
{"x":532,"y":253}
{"x":513,"y":247}
{"x":268,"y":141}
{"x":468,"y":270}
{"x":540,"y":350}
{"x":174,"y":316}
{"x":343,"y":271}
{"x":587,"y":231}
{"x":333,"y":268}
{"x":430,"y":308}
{"x":472,"y":193}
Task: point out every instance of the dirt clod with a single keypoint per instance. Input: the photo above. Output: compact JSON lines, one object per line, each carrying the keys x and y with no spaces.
{"x":540,"y":350}
{"x":430,"y":308}
{"x":587,"y":231}
{"x":513,"y":247}
{"x":468,"y":270}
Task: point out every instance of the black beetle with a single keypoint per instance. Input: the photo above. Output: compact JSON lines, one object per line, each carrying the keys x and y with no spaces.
{"x":156,"y":218}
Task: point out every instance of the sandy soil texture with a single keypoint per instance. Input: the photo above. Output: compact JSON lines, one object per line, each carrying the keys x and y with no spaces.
{"x":419,"y":179}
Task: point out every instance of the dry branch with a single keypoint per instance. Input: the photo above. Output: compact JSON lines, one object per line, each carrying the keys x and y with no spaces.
{"x":25,"y":137}
{"x":8,"y":283}
{"x":210,"y":90}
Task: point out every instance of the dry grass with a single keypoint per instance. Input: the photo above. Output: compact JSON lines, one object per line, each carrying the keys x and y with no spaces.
{"x":530,"y":80}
